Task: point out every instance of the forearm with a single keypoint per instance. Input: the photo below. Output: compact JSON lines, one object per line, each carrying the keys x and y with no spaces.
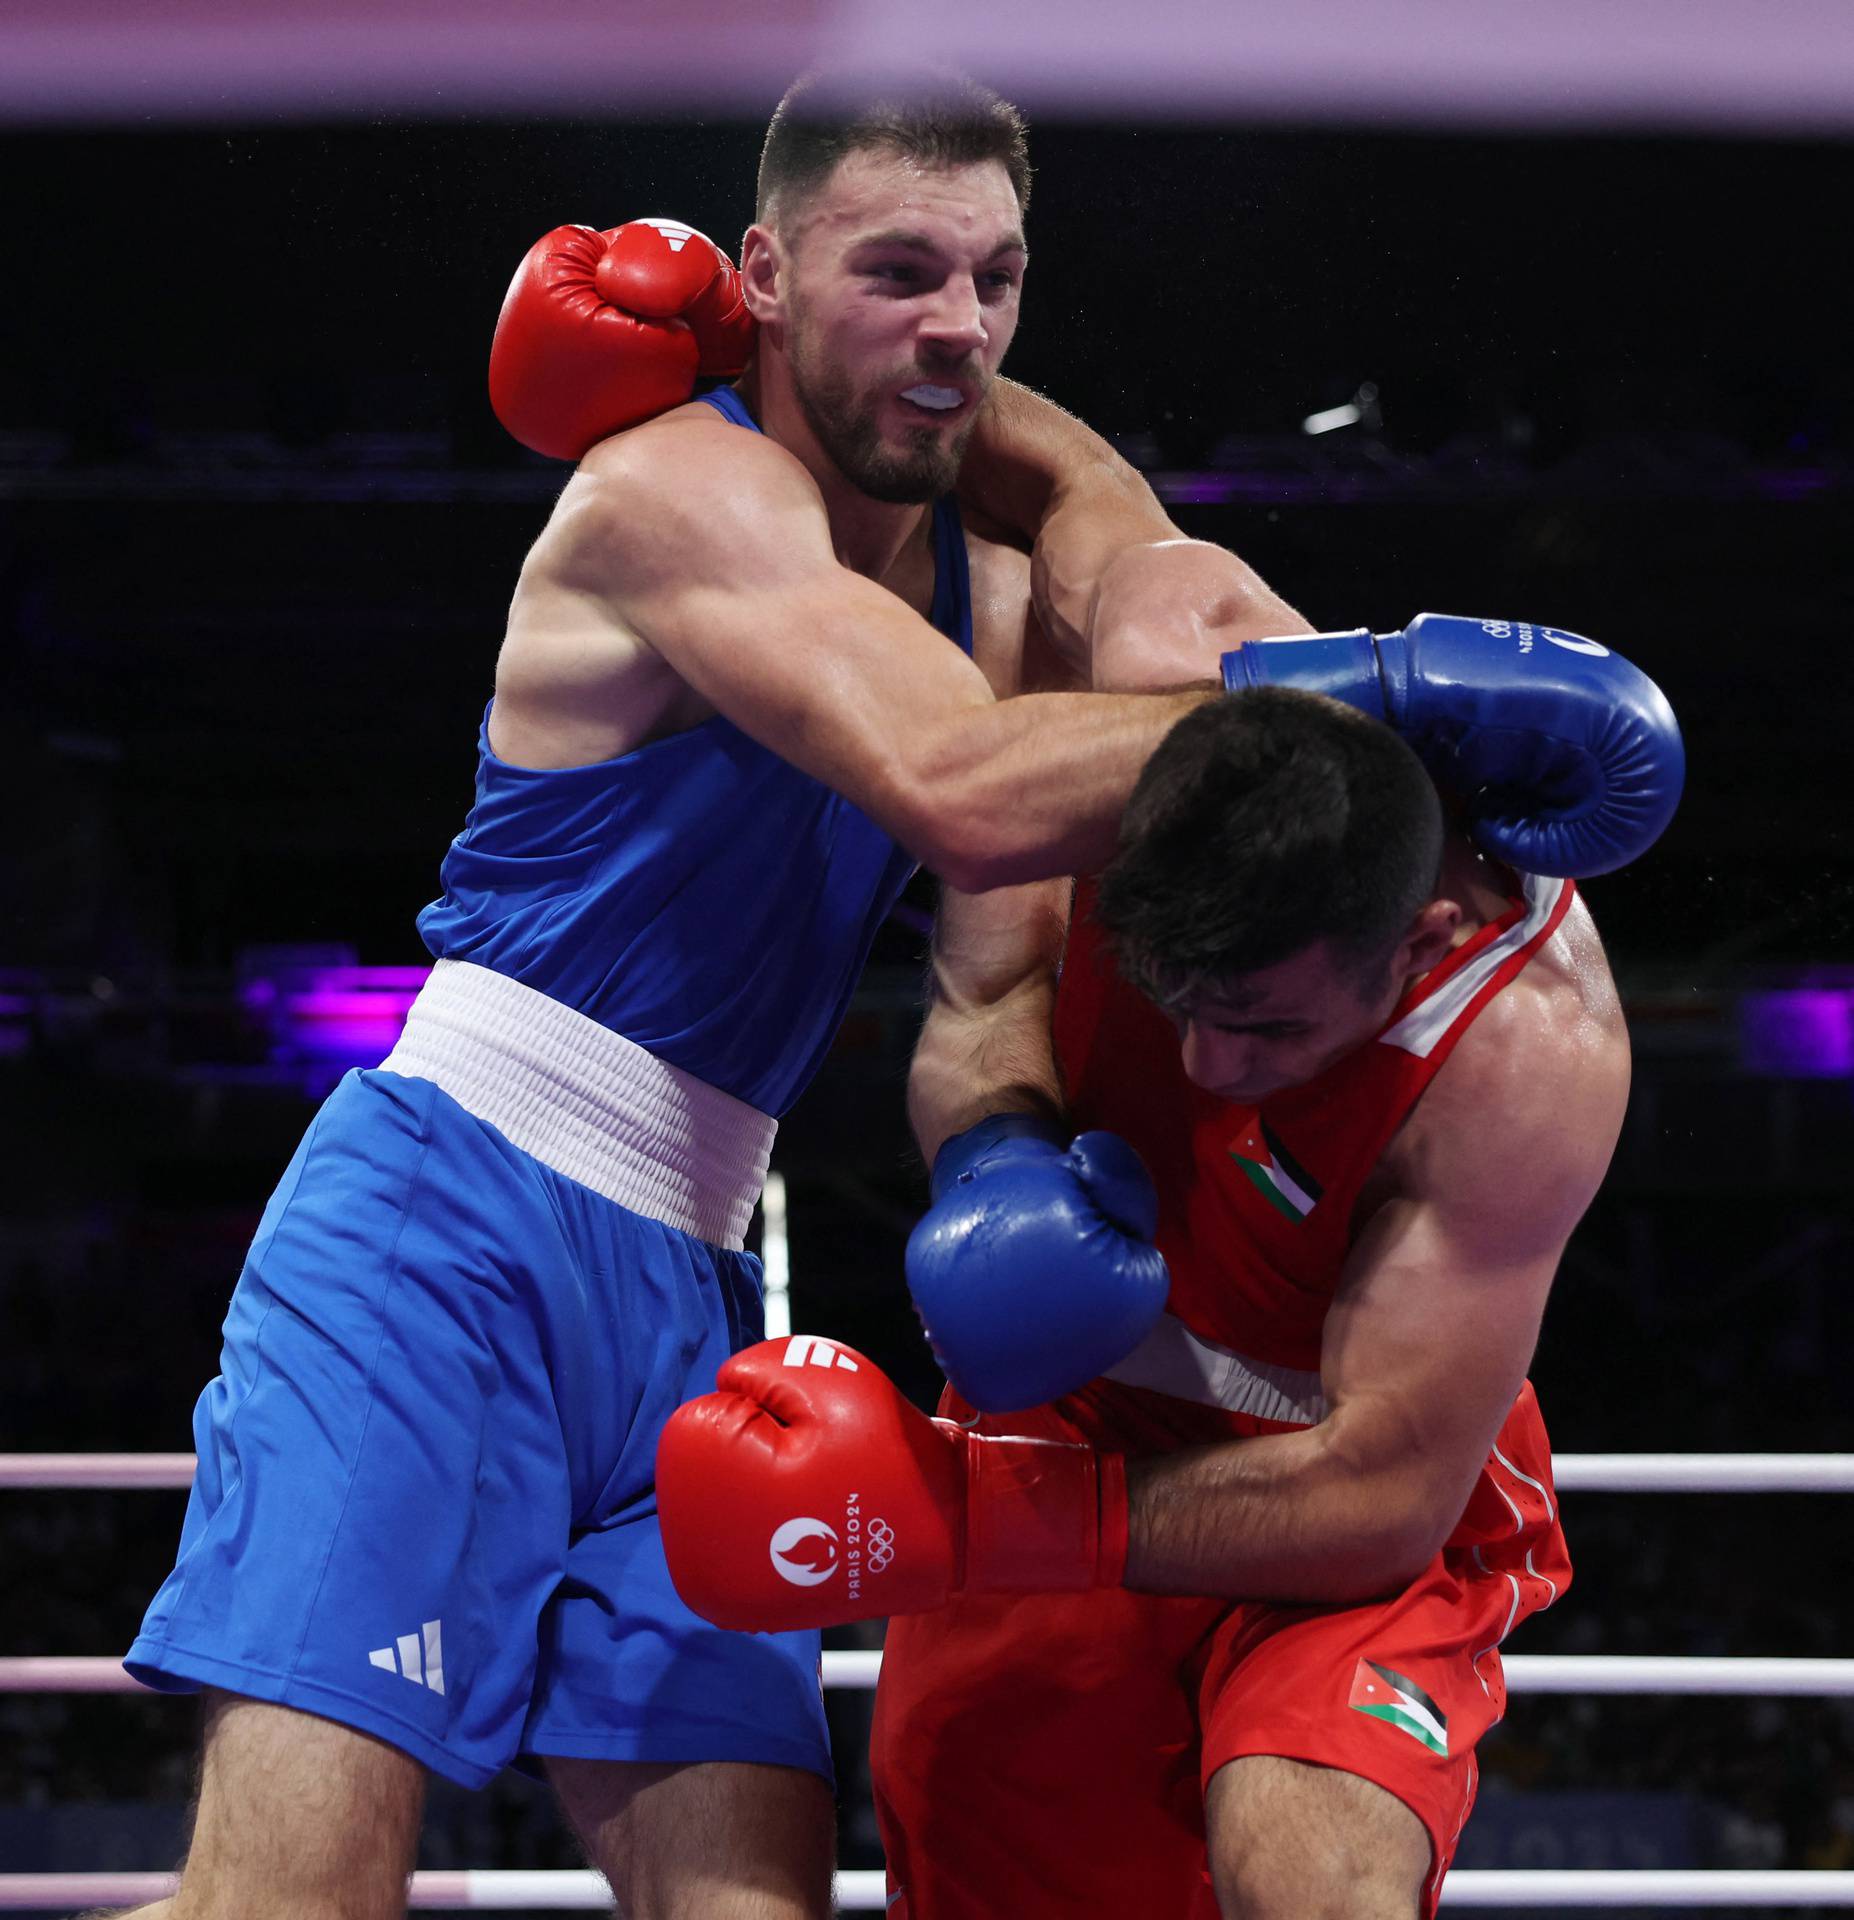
{"x":969,"y":1064}
{"x":1032,"y":787}
{"x":1288,"y":1517}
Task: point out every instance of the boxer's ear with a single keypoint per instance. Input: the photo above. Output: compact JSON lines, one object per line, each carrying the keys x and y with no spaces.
{"x":1427,"y":938}
{"x":765,"y":270}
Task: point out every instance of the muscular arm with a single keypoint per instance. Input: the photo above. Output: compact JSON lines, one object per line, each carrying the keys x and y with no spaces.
{"x":1428,"y":1340}
{"x":986,"y":1045}
{"x":1117,"y":586}
{"x":1165,"y":608}
{"x":714,"y":548}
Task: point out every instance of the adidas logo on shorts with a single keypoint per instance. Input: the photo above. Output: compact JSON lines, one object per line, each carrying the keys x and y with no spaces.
{"x":422,"y":1665}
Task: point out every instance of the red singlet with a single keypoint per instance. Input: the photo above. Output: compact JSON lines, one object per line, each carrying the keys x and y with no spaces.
{"x":1046,"y":1755}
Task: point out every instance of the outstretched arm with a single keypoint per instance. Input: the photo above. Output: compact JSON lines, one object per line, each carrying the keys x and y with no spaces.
{"x":713,"y":548}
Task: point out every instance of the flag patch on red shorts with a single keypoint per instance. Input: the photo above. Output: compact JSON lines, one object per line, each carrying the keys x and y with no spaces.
{"x":1389,"y":1696}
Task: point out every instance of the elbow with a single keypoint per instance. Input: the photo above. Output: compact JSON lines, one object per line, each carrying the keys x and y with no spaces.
{"x":1389,"y":1554}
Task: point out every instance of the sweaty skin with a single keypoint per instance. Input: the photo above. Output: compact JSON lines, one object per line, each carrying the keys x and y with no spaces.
{"x":1455,"y":1243}
{"x":692,"y":568}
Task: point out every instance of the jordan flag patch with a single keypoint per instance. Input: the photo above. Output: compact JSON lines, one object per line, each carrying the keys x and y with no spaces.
{"x":1274,"y":1172}
{"x":1389,"y":1696}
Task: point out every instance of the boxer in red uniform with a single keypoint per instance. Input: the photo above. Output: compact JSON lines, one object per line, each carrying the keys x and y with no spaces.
{"x":1221,"y":1627}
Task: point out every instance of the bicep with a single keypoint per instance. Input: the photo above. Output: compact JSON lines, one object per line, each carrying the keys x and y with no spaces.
{"x":1427,"y":1345}
{"x":734,"y":583}
{"x":1438,"y":1309}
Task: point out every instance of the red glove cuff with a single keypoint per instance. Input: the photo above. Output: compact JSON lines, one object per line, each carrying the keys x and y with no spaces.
{"x":1043,"y":1516}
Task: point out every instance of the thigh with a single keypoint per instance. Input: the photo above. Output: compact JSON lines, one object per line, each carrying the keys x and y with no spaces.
{"x":298,"y":1819}
{"x":709,"y":1841}
{"x":1293,"y":1841}
{"x":626,"y":1671}
{"x":381,"y":1506}
{"x":1393,"y":1695}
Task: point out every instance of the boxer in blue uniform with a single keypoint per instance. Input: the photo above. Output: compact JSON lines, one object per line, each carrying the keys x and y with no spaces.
{"x":500,"y":1260}
{"x":751,"y":676}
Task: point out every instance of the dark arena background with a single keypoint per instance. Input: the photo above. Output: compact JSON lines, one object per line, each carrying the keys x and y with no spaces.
{"x":1410,"y":320}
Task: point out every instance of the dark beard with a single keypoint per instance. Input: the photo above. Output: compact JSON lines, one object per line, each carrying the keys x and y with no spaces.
{"x":928,"y":469}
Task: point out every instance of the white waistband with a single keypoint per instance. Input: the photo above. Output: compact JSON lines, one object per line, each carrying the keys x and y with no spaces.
{"x":588,"y":1102}
{"x":1172,"y":1359}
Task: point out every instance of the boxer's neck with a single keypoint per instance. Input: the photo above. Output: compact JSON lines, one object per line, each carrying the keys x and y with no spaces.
{"x":1479,"y":886}
{"x":868,"y":536}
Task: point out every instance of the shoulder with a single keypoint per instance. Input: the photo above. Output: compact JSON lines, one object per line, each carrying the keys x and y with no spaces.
{"x":686,"y":484}
{"x":1516,"y":1130}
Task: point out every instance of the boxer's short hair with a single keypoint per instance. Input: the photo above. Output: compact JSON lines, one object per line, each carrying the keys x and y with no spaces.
{"x":1266,"y":822}
{"x":939,"y":119}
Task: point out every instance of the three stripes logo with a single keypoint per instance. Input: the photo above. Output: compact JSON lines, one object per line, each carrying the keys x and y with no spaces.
{"x":812,"y":1350}
{"x":421,"y":1662}
{"x":1390,"y":1697}
{"x":1275,"y":1174}
{"x":673,"y":231}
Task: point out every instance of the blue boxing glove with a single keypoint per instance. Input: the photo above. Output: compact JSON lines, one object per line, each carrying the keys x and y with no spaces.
{"x":1034,"y":1268}
{"x":1569,"y":758}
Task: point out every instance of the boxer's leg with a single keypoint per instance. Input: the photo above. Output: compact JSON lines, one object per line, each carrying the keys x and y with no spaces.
{"x":712,"y":1841}
{"x":694,"y":1763}
{"x":380,"y":1511}
{"x":1291,"y":1841}
{"x":275,"y":1786}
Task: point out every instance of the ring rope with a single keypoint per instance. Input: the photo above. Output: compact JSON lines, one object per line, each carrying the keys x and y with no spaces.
{"x":488,"y":1890}
{"x":856,"y":1670}
{"x":564,"y":1890}
{"x":1573,"y":1472}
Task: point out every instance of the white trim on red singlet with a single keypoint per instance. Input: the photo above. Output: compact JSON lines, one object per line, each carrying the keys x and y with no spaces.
{"x":1174,"y":1360}
{"x":1427,"y":1023}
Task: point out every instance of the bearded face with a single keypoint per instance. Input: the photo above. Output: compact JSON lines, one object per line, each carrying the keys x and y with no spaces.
{"x":899,"y":463}
{"x":901,"y":285}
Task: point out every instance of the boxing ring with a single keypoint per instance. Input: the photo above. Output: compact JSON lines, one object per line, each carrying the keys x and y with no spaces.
{"x":586,"y":1892}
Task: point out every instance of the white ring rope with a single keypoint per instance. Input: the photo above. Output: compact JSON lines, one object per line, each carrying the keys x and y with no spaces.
{"x":866,"y":1892}
{"x":854,"y":1670}
{"x":563,"y":1891}
{"x":1573,"y":1472}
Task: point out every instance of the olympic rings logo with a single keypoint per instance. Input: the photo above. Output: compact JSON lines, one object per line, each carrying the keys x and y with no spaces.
{"x":881,"y":1545}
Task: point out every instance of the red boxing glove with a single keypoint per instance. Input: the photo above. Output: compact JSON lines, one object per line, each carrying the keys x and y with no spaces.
{"x":602,"y":330}
{"x":807,"y":1492}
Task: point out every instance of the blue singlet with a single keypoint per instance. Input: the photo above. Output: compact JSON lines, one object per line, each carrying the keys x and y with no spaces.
{"x":698,"y":895}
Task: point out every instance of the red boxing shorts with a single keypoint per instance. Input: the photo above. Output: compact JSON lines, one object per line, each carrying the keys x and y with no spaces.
{"x":1047,"y":1755}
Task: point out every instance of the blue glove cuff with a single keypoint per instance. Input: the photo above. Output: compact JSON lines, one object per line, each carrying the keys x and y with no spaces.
{"x":959,"y":1154}
{"x":1341,"y":665}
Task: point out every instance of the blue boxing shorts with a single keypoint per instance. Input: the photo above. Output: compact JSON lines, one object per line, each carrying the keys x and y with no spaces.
{"x":424,"y":1505}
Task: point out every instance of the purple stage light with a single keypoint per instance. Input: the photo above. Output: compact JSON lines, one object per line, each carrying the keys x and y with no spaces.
{"x":328,"y":1013}
{"x":1801,"y":1033}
